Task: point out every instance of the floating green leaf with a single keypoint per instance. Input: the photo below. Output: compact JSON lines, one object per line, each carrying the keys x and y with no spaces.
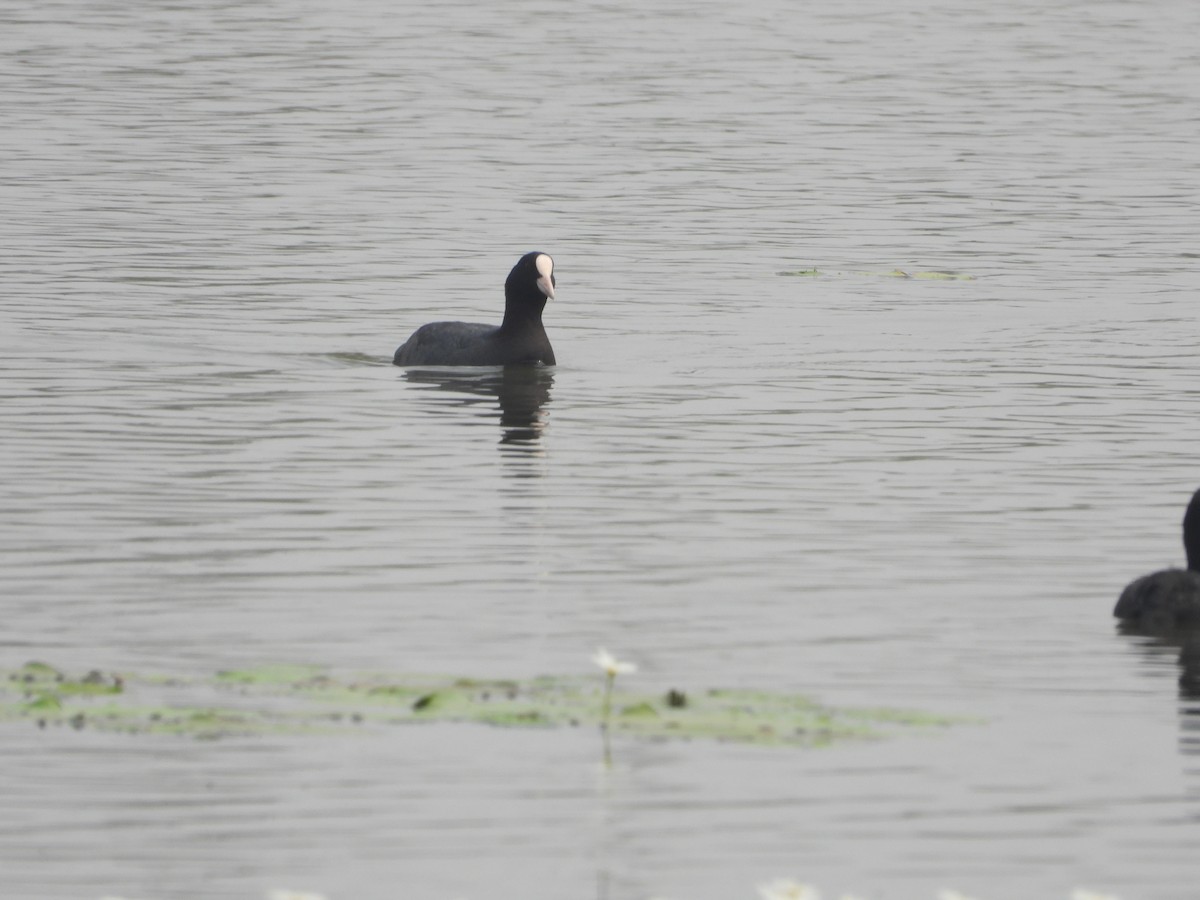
{"x":43,"y":702}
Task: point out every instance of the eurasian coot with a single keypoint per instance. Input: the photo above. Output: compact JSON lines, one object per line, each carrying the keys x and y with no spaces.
{"x":1170,"y":598}
{"x":519,"y":340}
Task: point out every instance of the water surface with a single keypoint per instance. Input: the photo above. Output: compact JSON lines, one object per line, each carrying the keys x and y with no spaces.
{"x":221,"y":220}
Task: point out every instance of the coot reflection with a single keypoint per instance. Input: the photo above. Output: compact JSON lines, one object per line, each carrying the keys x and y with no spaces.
{"x":521,"y":392}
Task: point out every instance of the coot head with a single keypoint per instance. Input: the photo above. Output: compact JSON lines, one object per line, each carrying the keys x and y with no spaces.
{"x":528,"y":286}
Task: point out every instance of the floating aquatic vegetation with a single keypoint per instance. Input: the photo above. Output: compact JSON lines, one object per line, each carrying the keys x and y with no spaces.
{"x":276,"y":894}
{"x":299,"y":699}
{"x":786,"y":889}
{"x":893,"y":273}
{"x":780,"y":889}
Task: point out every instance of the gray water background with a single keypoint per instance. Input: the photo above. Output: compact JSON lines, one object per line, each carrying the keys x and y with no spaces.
{"x":220,"y":219}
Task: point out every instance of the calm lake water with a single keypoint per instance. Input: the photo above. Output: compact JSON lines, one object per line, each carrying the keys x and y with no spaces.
{"x":221,"y":219}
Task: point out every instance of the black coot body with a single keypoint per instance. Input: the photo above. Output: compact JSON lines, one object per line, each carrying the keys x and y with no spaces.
{"x":1170,"y":598}
{"x":519,"y":340}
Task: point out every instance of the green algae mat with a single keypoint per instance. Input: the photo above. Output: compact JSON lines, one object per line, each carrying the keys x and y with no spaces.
{"x":891,"y":273}
{"x":305,"y":700}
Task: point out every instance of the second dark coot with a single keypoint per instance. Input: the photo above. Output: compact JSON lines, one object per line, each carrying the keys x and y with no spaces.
{"x":1169,"y":598}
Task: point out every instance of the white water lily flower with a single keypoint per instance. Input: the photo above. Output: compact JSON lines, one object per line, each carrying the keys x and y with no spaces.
{"x":293,"y":895}
{"x":1081,"y":894}
{"x":785,"y":889}
{"x":611,"y":665}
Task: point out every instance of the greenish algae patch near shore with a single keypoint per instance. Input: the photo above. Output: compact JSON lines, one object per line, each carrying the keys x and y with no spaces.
{"x":891,"y":273}
{"x":306,"y":699}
